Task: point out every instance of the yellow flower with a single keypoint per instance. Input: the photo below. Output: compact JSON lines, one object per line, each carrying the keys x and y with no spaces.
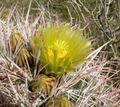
{"x":62,"y":48}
